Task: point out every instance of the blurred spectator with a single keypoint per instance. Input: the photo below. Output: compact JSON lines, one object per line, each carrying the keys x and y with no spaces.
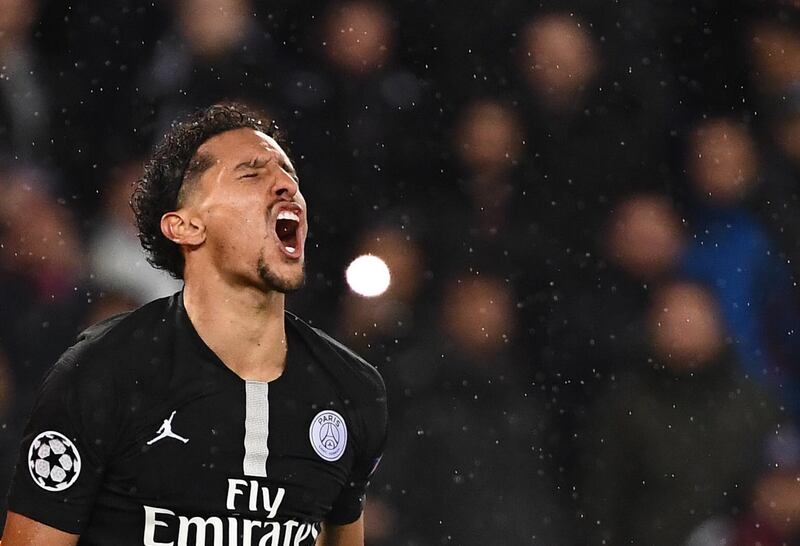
{"x":214,"y":51}
{"x":721,"y":162}
{"x":117,"y":260}
{"x":676,"y":438}
{"x":773,"y":516}
{"x":775,"y":53}
{"x":559,"y":60}
{"x":385,"y":326}
{"x":40,"y":242}
{"x":778,"y":199}
{"x":43,"y":269}
{"x":392,"y":314}
{"x":91,"y":54}
{"x":645,"y":237}
{"x":478,"y":318}
{"x":491,"y":221}
{"x":362,"y":120}
{"x":582,"y":160}
{"x":486,"y":212}
{"x":594,"y":331}
{"x":358,"y":36}
{"x":488,"y":141}
{"x":642,"y":242}
{"x":776,"y":512}
{"x":482,"y":419}
{"x":24,"y":100}
{"x":376,"y":100}
{"x":732,"y":253}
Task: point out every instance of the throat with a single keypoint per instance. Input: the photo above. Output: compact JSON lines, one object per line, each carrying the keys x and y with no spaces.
{"x":258,"y":366}
{"x":255,"y":359}
{"x":247,"y":335}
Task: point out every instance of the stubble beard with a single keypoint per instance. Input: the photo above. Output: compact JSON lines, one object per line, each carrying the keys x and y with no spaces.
{"x":279,"y":284}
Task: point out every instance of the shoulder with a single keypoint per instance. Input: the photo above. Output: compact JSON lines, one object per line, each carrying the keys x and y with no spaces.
{"x":103,"y":349}
{"x":129,"y":327}
{"x":341,"y":361}
{"x":357,"y":382}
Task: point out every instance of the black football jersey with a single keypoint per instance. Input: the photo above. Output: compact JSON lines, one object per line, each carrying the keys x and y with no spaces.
{"x":141,"y":435}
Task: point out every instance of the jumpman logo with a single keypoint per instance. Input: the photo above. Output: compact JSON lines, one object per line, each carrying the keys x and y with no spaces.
{"x":165,"y":431}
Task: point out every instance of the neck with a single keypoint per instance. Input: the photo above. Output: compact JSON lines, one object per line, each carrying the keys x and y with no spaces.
{"x":244,"y":326}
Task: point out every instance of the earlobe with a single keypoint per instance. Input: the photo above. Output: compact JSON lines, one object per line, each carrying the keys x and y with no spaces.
{"x":180,"y":229}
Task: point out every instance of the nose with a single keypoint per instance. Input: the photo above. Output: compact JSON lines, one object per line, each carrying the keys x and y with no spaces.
{"x":285,"y":186}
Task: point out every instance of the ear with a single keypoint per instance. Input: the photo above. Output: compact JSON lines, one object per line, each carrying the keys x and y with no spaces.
{"x":181,"y":228}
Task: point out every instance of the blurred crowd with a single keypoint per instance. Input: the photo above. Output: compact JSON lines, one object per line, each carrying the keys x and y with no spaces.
{"x":589,"y":209}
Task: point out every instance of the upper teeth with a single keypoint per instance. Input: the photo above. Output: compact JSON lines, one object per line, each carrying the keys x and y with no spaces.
{"x":288,"y":215}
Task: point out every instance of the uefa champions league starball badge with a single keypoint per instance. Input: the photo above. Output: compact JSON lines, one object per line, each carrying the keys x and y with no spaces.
{"x":328,"y":435}
{"x":53,"y":461}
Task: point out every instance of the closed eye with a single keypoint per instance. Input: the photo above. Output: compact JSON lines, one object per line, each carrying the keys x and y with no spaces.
{"x":249,"y":175}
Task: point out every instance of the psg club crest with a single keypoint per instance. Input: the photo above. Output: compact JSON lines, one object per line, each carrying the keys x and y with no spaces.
{"x":53,"y":461}
{"x":328,"y":435}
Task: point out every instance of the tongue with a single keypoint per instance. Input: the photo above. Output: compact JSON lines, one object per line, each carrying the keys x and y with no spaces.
{"x":288,"y":242}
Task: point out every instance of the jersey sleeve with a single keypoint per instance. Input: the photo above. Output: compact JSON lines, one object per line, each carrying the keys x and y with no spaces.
{"x":65,"y":446}
{"x":374,"y":418}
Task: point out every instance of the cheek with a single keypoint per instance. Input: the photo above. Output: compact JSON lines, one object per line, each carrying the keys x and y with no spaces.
{"x":236,"y":216}
{"x":235,"y":232}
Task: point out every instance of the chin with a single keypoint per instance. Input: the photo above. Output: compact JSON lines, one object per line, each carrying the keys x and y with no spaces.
{"x":281,"y":282}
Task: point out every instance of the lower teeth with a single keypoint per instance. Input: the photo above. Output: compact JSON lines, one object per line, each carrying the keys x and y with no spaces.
{"x":290,"y":249}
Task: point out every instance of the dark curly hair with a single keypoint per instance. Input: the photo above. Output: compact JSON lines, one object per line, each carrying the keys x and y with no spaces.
{"x":175,"y":163}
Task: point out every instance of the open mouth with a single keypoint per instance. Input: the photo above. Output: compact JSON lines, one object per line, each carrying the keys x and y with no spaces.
{"x":287,"y":228}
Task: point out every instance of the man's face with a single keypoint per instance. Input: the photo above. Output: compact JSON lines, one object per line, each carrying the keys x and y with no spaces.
{"x":253,"y":212}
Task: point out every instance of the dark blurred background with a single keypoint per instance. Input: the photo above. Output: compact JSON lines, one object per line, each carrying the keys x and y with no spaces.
{"x":589,"y":208}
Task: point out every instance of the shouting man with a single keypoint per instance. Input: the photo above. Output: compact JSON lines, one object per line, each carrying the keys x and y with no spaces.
{"x":213,"y":417}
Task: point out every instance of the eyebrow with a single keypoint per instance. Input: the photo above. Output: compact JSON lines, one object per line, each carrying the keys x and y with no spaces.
{"x":254,"y":163}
